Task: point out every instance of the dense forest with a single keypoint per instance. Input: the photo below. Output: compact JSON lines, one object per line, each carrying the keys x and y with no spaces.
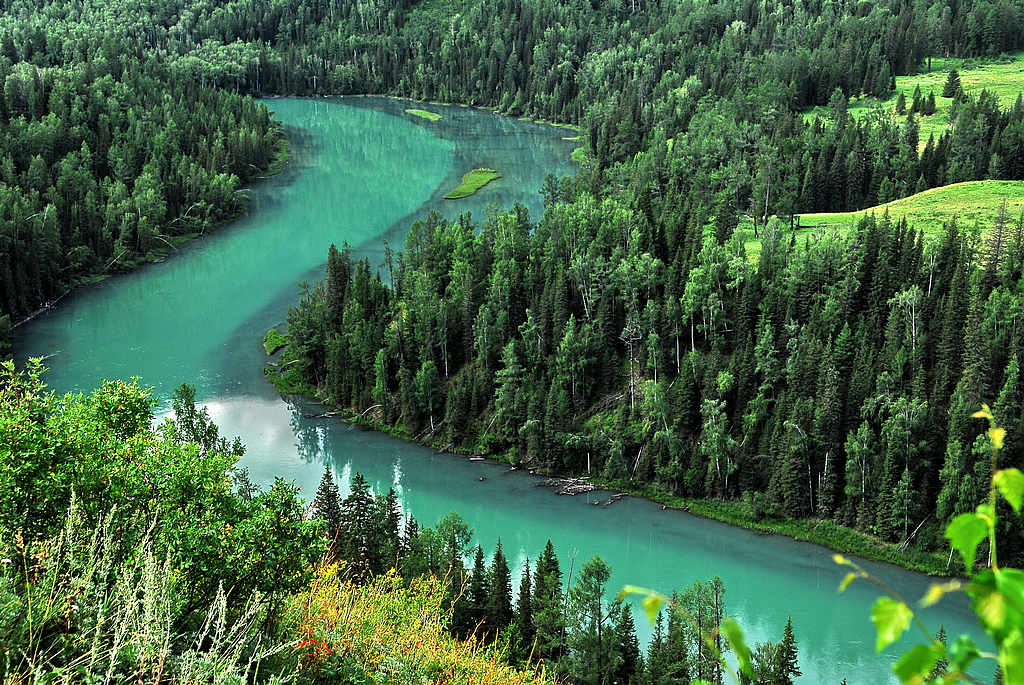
{"x":127,"y":124}
{"x":832,"y":377}
{"x":104,"y":162}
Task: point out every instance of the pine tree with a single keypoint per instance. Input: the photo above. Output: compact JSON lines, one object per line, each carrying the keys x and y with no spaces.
{"x":359,"y":530}
{"x":548,"y":609}
{"x":952,"y":87}
{"x":499,"y":605}
{"x":592,"y":645}
{"x":942,"y":665}
{"x":628,"y":648}
{"x":478,"y":594}
{"x":655,"y":664}
{"x":678,"y":660}
{"x":327,"y":508}
{"x":790,"y":665}
{"x":339,"y":274}
{"x":524,"y":611}
{"x":389,"y":517}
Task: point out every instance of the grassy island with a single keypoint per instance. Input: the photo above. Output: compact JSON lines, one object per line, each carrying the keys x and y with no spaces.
{"x":471,"y":182}
{"x":424,"y":114}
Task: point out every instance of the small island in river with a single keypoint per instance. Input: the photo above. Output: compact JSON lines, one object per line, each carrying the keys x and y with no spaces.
{"x":424,"y":114}
{"x":472,"y":181}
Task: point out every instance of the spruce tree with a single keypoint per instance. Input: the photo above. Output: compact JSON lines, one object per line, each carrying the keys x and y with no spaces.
{"x":548,"y":605}
{"x":327,"y":508}
{"x":628,"y":647}
{"x":389,"y":517}
{"x":942,"y":665}
{"x":790,"y":665}
{"x":478,"y":594}
{"x":524,"y":611}
{"x":952,"y":87}
{"x":499,"y":605}
{"x":359,"y":529}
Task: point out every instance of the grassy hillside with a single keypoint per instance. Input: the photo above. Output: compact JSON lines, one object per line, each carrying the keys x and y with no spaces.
{"x":1004,"y":78}
{"x":971,"y":203}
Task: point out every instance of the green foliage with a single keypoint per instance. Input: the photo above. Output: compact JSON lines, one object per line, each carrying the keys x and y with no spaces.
{"x":142,"y":532}
{"x":273,"y":341}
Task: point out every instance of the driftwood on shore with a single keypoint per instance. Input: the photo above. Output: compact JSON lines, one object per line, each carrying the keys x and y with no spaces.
{"x":611,"y":500}
{"x":568,"y":486}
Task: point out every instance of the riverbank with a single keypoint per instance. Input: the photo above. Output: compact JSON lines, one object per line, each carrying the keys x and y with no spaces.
{"x":825,"y":533}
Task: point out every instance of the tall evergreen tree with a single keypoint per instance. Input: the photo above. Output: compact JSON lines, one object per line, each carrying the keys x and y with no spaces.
{"x":952,"y":88}
{"x":790,"y":664}
{"x":499,"y":605}
{"x":327,"y":508}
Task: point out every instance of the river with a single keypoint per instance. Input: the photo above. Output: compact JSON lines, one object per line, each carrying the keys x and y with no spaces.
{"x":362,"y":169}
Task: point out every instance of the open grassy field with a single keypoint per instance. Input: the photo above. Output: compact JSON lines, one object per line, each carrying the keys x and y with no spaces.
{"x":971,"y":203}
{"x":1003,"y":78}
{"x":472,"y":181}
{"x":424,"y":114}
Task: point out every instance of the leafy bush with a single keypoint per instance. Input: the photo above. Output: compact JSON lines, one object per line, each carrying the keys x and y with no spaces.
{"x":387,"y":631}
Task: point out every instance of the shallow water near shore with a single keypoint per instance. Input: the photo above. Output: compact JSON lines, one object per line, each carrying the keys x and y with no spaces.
{"x":361,"y":170}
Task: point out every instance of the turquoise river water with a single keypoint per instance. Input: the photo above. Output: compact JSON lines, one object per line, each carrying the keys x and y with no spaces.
{"x":362,"y":170}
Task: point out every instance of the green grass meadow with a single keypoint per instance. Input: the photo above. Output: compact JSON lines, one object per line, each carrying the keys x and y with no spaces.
{"x":972,"y":203}
{"x":1003,"y":77}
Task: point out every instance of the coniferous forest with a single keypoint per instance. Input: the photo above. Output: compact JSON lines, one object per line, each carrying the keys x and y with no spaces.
{"x":127,"y":123}
{"x":667,"y":326}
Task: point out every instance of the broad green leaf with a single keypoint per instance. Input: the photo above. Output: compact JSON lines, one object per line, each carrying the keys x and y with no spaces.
{"x":891,"y":619}
{"x":964,"y":533}
{"x":962,"y":653}
{"x":1011,"y":485}
{"x":734,"y":635}
{"x":915,"y":665}
{"x":1011,"y":657}
{"x":938,"y":591}
{"x":994,"y":612}
{"x":1010,"y":582}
